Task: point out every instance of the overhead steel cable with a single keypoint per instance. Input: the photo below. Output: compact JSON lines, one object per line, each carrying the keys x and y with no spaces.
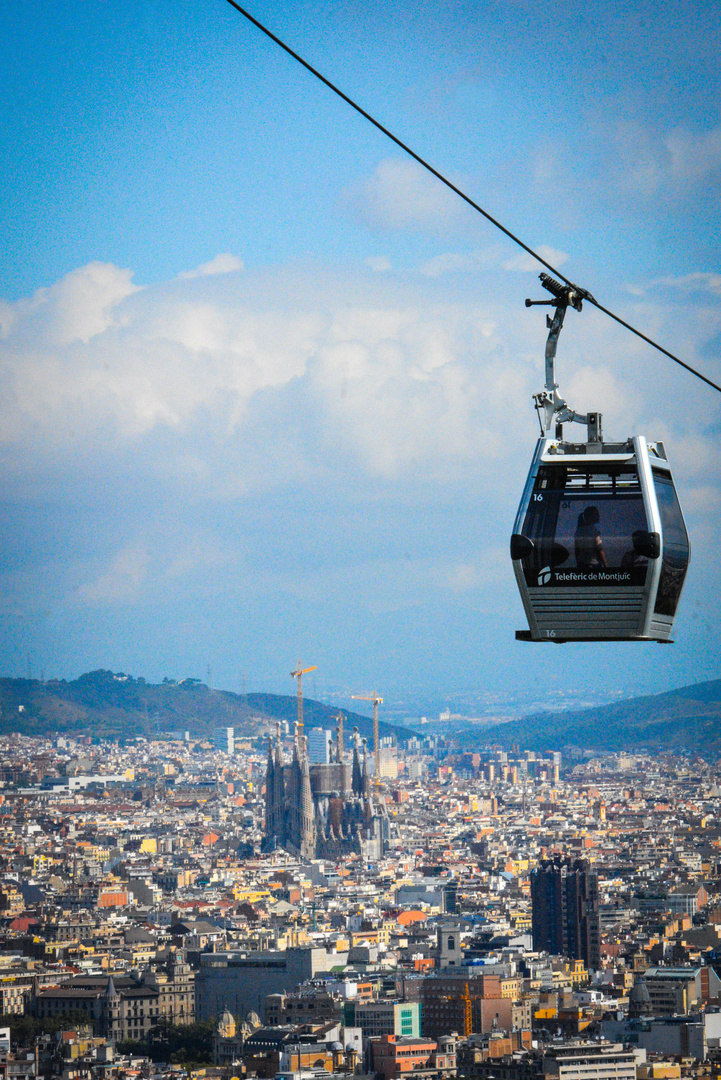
{"x":466,"y":198}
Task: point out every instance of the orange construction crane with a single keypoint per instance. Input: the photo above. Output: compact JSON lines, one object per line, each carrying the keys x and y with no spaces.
{"x":298,"y":674}
{"x":467,"y":1012}
{"x":376,"y":739}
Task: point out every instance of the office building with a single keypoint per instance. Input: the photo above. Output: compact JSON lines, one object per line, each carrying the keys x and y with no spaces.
{"x":589,"y":1061}
{"x":241,"y":982}
{"x":320,"y":745}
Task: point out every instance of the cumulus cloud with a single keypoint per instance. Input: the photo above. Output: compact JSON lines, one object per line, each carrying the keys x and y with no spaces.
{"x":226,"y":385}
{"x":260,"y":456}
{"x":388,"y":381}
{"x":80,"y":306}
{"x":225,"y":263}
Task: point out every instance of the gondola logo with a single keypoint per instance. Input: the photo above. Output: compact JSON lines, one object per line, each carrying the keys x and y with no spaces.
{"x":545,"y":575}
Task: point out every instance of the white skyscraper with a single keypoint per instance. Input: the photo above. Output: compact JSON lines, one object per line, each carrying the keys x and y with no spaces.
{"x":319,"y":744}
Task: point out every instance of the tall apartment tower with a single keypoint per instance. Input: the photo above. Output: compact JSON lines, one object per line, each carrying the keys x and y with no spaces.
{"x":565,"y":910}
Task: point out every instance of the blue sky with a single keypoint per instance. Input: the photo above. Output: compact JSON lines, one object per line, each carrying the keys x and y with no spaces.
{"x":266,"y":384}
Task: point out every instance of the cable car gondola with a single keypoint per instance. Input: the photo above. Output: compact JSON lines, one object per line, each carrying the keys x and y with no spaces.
{"x":599,"y":546}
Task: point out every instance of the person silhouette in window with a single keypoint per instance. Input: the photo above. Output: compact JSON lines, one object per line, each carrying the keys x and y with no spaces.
{"x":589,"y":546}
{"x":637,"y":556}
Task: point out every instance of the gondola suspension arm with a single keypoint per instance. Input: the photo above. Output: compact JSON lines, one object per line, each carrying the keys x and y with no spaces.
{"x":549,"y":402}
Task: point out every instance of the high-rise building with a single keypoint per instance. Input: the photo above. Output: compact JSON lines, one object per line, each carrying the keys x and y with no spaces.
{"x":320,"y":746}
{"x":565,"y":910}
{"x":224,"y":739}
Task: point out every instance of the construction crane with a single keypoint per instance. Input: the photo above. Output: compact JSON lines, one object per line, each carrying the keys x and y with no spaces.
{"x":298,"y":674}
{"x":467,"y":1011}
{"x":376,"y":739}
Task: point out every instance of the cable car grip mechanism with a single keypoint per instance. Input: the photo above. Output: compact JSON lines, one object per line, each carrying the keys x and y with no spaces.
{"x":549,"y":401}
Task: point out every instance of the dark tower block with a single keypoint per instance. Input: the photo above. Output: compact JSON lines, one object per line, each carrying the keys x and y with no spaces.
{"x":565,"y":910}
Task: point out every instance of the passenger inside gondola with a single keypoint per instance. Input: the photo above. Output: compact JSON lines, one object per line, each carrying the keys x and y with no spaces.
{"x":584,"y":519}
{"x":638,"y":554}
{"x":587,"y":540}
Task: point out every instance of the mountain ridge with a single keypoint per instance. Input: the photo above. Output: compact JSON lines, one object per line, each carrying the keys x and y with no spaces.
{"x":116,"y":705}
{"x":687,"y":718}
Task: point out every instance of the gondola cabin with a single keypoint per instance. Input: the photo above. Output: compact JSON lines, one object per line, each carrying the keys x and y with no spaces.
{"x":599,"y":546}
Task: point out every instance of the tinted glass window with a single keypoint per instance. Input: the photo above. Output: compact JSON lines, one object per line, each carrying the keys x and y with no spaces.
{"x":675,"y":546}
{"x":586,"y":527}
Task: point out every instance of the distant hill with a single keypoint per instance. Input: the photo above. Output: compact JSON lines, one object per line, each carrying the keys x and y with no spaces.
{"x":688,"y":718}
{"x":115,"y":705}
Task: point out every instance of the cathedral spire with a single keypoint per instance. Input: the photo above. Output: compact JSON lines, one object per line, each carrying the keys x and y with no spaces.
{"x":306,"y":812}
{"x":270,"y":791}
{"x":340,"y":749}
{"x":366,"y":771}
{"x":357,"y":778}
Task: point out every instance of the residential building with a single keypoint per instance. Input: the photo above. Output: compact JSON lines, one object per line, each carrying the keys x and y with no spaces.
{"x":566,"y":911}
{"x":393,"y":1057}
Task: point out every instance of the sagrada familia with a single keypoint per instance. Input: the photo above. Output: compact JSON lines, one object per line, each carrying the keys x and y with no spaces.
{"x":322,"y":811}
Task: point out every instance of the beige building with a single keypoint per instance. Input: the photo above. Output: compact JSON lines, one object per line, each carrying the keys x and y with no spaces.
{"x":175,"y":983}
{"x":589,"y":1061}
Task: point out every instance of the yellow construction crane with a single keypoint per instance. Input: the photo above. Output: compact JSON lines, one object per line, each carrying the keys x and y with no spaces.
{"x":376,"y":740}
{"x":298,"y":674}
{"x":467,"y":1012}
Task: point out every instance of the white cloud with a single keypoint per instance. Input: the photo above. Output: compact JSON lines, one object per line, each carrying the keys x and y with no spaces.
{"x":527,"y":264}
{"x":77,"y":308}
{"x":266,"y":455}
{"x":464,"y":577}
{"x":655,"y":163}
{"x":695,"y":157}
{"x":378,"y":263}
{"x":224,"y":263}
{"x":700,"y":281}
{"x":121,"y":581}
{"x":236,"y":386}
{"x":453,"y":262}
{"x":400,"y":194}
{"x":622,"y":171}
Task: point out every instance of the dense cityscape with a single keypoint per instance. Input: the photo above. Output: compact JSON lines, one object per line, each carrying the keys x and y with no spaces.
{"x":299,"y":903}
{"x":384,"y":335}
